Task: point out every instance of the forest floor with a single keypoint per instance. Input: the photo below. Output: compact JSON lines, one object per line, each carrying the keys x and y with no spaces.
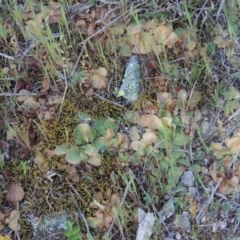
{"x":119,"y":119}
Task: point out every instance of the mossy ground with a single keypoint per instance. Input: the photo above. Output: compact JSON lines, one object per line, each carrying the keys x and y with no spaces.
{"x":197,"y":62}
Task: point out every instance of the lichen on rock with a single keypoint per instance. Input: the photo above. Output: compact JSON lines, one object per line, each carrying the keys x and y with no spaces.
{"x":131,"y":86}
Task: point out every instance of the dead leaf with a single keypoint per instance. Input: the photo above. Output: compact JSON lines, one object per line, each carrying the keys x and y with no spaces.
{"x":123,"y":141}
{"x":220,"y":153}
{"x":233,"y":144}
{"x":150,"y":121}
{"x":138,"y":146}
{"x":14,"y":194}
{"x":149,"y":107}
{"x":98,"y":81}
{"x":72,"y":172}
{"x":45,"y":84}
{"x":194,"y":99}
{"x":134,"y":135}
{"x":12,"y":220}
{"x":91,"y":29}
{"x":190,"y":45}
{"x":41,"y":163}
{"x":93,"y":157}
{"x":95,"y":204}
{"x":54,"y":12}
{"x":109,"y":134}
{"x":149,"y":137}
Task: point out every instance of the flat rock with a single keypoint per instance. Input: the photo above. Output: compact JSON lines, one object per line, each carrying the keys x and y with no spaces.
{"x":131,"y":86}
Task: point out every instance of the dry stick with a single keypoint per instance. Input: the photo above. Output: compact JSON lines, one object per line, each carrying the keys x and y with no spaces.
{"x":81,"y":214}
{"x":7,"y":56}
{"x":78,"y":8}
{"x":80,"y":211}
{"x":120,"y":205}
{"x":108,"y":100}
{"x":220,"y":8}
{"x":64,"y":93}
{"x":202,"y":211}
{"x":75,"y":66}
{"x":203,"y":6}
{"x":7,"y":94}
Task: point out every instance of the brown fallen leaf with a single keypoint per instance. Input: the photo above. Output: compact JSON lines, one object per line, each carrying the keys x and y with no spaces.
{"x":14,"y":194}
{"x":72,"y":171}
{"x":149,"y":120}
{"x":41,"y":163}
{"x":149,"y":107}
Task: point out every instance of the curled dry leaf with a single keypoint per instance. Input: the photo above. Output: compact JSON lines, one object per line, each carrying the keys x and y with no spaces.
{"x":236,"y":132}
{"x":228,"y":186}
{"x":93,"y":156}
{"x":123,"y":141}
{"x":54,"y":13}
{"x":164,"y":36}
{"x":218,"y":150}
{"x":98,"y":81}
{"x":163,"y":98}
{"x":109,"y":134}
{"x":227,"y":162}
{"x":134,"y":135}
{"x":97,"y":205}
{"x":149,"y":107}
{"x":104,"y":215}
{"x":233,"y":144}
{"x":41,"y":163}
{"x":190,"y":45}
{"x":72,"y":171}
{"x":12,"y":220}
{"x":149,"y":137}
{"x":138,"y":146}
{"x":150,"y":121}
{"x":194,"y":99}
{"x":145,"y":44}
{"x":14,"y":194}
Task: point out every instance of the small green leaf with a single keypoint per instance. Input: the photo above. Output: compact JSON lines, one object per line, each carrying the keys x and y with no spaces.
{"x":73,"y":156}
{"x":84,"y":133}
{"x":174,"y":175}
{"x":183,"y":162}
{"x":126,"y":50}
{"x":181,"y":139}
{"x":61,"y":150}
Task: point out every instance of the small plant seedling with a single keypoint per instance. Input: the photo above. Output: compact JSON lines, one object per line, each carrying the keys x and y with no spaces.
{"x":73,"y":233}
{"x":24,"y":167}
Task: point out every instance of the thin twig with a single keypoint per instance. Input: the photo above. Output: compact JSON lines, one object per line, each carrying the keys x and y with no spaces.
{"x":220,"y":8}
{"x":117,"y":104}
{"x":7,"y":56}
{"x":7,"y":94}
{"x":202,"y":211}
{"x":80,"y":211}
{"x":120,"y":206}
{"x":75,"y":66}
{"x":64,"y":93}
{"x":81,"y":214}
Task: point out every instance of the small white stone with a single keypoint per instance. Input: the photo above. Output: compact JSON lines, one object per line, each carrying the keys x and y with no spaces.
{"x":178,"y":236}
